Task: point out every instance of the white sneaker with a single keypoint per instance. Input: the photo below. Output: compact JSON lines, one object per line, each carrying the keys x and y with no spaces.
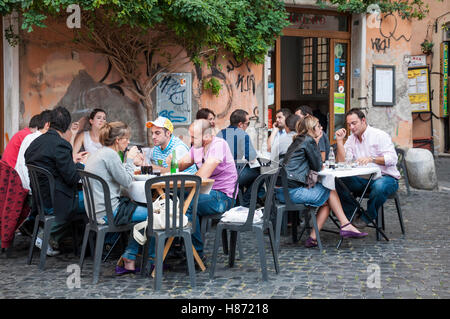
{"x":50,"y":251}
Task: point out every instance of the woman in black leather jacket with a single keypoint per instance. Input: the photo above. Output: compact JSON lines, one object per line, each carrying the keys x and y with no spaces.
{"x":303,"y":156}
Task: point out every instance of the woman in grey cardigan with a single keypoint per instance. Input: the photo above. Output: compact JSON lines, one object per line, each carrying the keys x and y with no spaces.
{"x":302,"y":156}
{"x":107,"y":164}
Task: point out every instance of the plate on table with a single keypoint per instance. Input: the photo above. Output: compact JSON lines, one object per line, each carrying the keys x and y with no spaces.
{"x":143,"y":177}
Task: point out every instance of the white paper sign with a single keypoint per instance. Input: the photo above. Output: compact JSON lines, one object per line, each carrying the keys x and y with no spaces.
{"x":384,"y":86}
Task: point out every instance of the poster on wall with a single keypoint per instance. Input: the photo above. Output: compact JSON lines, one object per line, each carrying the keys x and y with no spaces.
{"x":418,"y":89}
{"x":174,"y":97}
{"x":339,"y":103}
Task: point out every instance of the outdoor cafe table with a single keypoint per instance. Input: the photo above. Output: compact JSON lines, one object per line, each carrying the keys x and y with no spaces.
{"x":136,"y":191}
{"x":331,"y":176}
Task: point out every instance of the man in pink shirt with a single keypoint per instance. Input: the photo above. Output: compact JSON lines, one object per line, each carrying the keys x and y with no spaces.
{"x":367,"y":145}
{"x":12,"y":149}
{"x":214,"y":160}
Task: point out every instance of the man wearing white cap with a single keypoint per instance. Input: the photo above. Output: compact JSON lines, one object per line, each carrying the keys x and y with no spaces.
{"x":164,"y":144}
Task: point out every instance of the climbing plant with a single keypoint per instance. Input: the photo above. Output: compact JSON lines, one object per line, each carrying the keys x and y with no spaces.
{"x":181,"y":31}
{"x":406,"y":9}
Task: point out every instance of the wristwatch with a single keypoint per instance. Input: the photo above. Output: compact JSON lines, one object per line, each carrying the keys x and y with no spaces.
{"x":373,"y":159}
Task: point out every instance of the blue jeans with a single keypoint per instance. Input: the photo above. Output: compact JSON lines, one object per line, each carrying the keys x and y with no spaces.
{"x":379,"y":191}
{"x":315,"y":196}
{"x":213,"y":203}
{"x":139,"y":215}
{"x":246,"y":179}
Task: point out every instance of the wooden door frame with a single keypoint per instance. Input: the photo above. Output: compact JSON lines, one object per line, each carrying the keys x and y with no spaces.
{"x":341,"y":36}
{"x":347,"y":85}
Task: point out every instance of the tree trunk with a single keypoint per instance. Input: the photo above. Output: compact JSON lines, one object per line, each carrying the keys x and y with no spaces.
{"x":148,"y":103}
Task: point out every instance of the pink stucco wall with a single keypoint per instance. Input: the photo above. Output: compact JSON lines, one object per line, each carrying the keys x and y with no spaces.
{"x":53,"y":73}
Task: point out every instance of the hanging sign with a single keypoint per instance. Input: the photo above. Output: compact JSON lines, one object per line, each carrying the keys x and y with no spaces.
{"x":417,"y":60}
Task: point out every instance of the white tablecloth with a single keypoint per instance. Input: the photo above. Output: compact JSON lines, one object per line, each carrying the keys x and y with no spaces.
{"x":327,"y":176}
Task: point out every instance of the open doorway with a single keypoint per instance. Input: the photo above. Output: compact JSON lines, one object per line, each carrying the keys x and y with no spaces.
{"x":311,"y":65}
{"x":305,"y":75}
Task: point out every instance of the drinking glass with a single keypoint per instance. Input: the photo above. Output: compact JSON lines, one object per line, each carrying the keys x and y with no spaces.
{"x":348,"y":159}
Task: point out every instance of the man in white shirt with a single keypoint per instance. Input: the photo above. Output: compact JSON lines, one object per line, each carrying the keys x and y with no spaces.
{"x":22,"y":170}
{"x":367,"y":145}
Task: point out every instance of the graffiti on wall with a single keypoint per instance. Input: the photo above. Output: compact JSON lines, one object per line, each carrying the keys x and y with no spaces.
{"x":388,"y":30}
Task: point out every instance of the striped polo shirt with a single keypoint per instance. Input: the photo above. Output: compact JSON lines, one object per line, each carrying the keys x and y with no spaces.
{"x":180,"y":148}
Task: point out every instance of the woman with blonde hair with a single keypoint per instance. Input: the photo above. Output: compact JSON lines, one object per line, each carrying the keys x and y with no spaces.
{"x":107,"y":164}
{"x":301,"y":157}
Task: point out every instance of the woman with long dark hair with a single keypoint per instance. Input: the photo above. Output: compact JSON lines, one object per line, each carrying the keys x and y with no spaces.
{"x":90,"y":139}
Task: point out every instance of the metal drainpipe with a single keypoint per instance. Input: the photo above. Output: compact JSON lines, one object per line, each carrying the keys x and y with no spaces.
{"x":363,"y":83}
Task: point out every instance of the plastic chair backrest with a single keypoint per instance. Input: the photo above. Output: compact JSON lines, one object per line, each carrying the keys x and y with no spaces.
{"x":239,"y":167}
{"x":37,"y":175}
{"x":87,"y":180}
{"x":176,"y":185}
{"x":401,"y":166}
{"x":269,"y":179}
{"x":284,"y":185}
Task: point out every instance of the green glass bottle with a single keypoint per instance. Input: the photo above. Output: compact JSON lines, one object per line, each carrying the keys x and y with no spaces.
{"x":121,"y":155}
{"x":174,"y":163}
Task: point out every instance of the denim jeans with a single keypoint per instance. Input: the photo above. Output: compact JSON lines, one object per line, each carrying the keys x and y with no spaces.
{"x":139,"y":215}
{"x":380,"y":189}
{"x":213,"y":203}
{"x":246,"y":179}
{"x":315,"y":196}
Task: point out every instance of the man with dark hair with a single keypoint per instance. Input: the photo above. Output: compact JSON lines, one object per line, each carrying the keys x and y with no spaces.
{"x":280,"y":149}
{"x":43,"y":125}
{"x":368,"y":146}
{"x":324,"y":142}
{"x":241,"y":147}
{"x":52,"y":152}
{"x":12,"y":148}
{"x":164,"y":143}
{"x":278,"y":127}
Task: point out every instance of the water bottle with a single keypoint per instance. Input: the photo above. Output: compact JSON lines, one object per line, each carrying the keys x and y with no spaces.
{"x":174,"y":163}
{"x":331,"y":158}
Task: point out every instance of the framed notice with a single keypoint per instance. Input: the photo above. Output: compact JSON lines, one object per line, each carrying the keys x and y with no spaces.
{"x":419,"y":89}
{"x":383,"y":84}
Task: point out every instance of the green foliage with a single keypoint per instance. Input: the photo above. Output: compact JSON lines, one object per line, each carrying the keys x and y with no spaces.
{"x":407,"y":9}
{"x":427,"y":46}
{"x":246,"y":28}
{"x":212,"y":85}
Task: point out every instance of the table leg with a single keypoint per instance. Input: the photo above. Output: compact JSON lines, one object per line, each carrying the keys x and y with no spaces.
{"x":358,"y":207}
{"x":170,"y":240}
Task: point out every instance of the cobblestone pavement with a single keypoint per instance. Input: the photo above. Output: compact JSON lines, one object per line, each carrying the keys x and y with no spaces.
{"x":415,"y":265}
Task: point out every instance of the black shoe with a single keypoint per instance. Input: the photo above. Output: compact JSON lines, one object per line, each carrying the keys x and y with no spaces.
{"x":26,"y":228}
{"x":359,"y":222}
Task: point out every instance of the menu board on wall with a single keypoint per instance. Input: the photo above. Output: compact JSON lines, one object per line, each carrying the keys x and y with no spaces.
{"x":418,"y":89}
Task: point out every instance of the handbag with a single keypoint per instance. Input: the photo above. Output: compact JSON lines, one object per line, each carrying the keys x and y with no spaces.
{"x":312,"y":178}
{"x":159,"y":220}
